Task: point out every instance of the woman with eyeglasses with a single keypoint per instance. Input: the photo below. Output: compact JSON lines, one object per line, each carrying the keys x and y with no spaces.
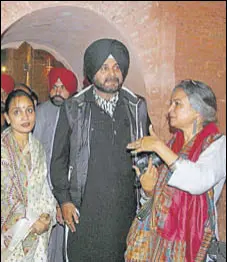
{"x":27,"y":204}
{"x":178,"y":220}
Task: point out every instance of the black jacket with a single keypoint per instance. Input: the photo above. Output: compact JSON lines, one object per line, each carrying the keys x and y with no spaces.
{"x":71,"y":149}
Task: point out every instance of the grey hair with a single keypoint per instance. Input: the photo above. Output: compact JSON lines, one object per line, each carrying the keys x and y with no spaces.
{"x":201,"y":97}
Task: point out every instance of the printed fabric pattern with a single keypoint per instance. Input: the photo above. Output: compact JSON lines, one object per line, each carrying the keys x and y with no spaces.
{"x":25,"y":195}
{"x":180,"y":225}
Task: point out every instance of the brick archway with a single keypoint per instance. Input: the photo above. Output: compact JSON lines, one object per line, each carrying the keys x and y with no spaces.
{"x":65,"y":32}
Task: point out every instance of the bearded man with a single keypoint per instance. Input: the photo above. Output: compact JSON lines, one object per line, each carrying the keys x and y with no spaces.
{"x":62,"y":84}
{"x":91,"y":172}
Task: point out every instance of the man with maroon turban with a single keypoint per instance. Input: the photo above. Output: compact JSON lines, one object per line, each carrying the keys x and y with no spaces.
{"x":7,"y":85}
{"x":62,"y":84}
{"x":91,"y":172}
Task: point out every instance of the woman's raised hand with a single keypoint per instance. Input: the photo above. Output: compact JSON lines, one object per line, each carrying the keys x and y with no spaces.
{"x":145,"y":144}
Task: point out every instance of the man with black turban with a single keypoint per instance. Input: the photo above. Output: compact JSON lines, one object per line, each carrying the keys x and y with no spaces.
{"x":91,"y":172}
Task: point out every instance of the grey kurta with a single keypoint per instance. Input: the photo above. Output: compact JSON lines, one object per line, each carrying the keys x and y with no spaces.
{"x":46,"y":121}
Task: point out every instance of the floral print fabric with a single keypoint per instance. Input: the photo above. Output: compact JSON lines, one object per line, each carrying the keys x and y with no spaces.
{"x":25,"y":195}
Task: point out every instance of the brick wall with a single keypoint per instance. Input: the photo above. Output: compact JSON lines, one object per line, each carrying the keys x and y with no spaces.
{"x":201,"y":47}
{"x":201,"y":55}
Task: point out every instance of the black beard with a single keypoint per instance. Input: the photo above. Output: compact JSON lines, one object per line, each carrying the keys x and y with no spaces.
{"x":55,"y":101}
{"x":102,"y":88}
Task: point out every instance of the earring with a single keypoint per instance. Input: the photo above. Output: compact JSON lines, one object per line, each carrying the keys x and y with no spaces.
{"x":194,"y":127}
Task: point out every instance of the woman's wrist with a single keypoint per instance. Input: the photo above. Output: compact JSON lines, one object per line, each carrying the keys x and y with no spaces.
{"x":166,"y":154}
{"x":33,"y":230}
{"x":157,"y":145}
{"x":160,"y":148}
{"x":144,"y":195}
{"x":173,"y":165}
{"x":149,"y":193}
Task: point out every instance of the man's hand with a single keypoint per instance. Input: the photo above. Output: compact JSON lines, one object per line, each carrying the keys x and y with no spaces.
{"x":59,"y":216}
{"x":70,"y":215}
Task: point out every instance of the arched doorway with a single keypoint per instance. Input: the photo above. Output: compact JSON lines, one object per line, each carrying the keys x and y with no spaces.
{"x":65,"y":32}
{"x":29,"y":66}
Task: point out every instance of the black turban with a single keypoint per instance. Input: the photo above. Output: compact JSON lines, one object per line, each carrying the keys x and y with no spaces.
{"x":96,"y":54}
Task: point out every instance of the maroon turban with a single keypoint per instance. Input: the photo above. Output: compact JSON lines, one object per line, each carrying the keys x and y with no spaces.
{"x":66,"y":76}
{"x":7,"y":83}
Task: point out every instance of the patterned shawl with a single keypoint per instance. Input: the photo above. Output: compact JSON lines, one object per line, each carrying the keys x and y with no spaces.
{"x":25,"y":195}
{"x":180,"y":225}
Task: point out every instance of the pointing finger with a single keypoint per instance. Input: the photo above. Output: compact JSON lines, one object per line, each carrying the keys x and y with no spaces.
{"x":150,"y":165}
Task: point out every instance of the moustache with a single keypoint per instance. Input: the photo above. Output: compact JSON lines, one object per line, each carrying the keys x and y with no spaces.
{"x":58,"y":96}
{"x":113,"y":79}
{"x":57,"y":100}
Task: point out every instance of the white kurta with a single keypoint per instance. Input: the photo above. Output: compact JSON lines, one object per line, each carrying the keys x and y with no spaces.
{"x":39,"y":200}
{"x":209,"y":171}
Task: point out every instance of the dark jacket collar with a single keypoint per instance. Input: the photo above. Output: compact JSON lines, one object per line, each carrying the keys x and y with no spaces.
{"x":124,"y":96}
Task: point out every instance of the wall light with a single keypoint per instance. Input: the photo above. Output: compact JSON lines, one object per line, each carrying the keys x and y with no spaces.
{"x":3,"y":69}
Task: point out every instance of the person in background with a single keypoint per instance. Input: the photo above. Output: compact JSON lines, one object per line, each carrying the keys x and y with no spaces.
{"x":7,"y":85}
{"x":27,"y":203}
{"x":179,"y":220}
{"x":62,"y":84}
{"x":90,"y":170}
